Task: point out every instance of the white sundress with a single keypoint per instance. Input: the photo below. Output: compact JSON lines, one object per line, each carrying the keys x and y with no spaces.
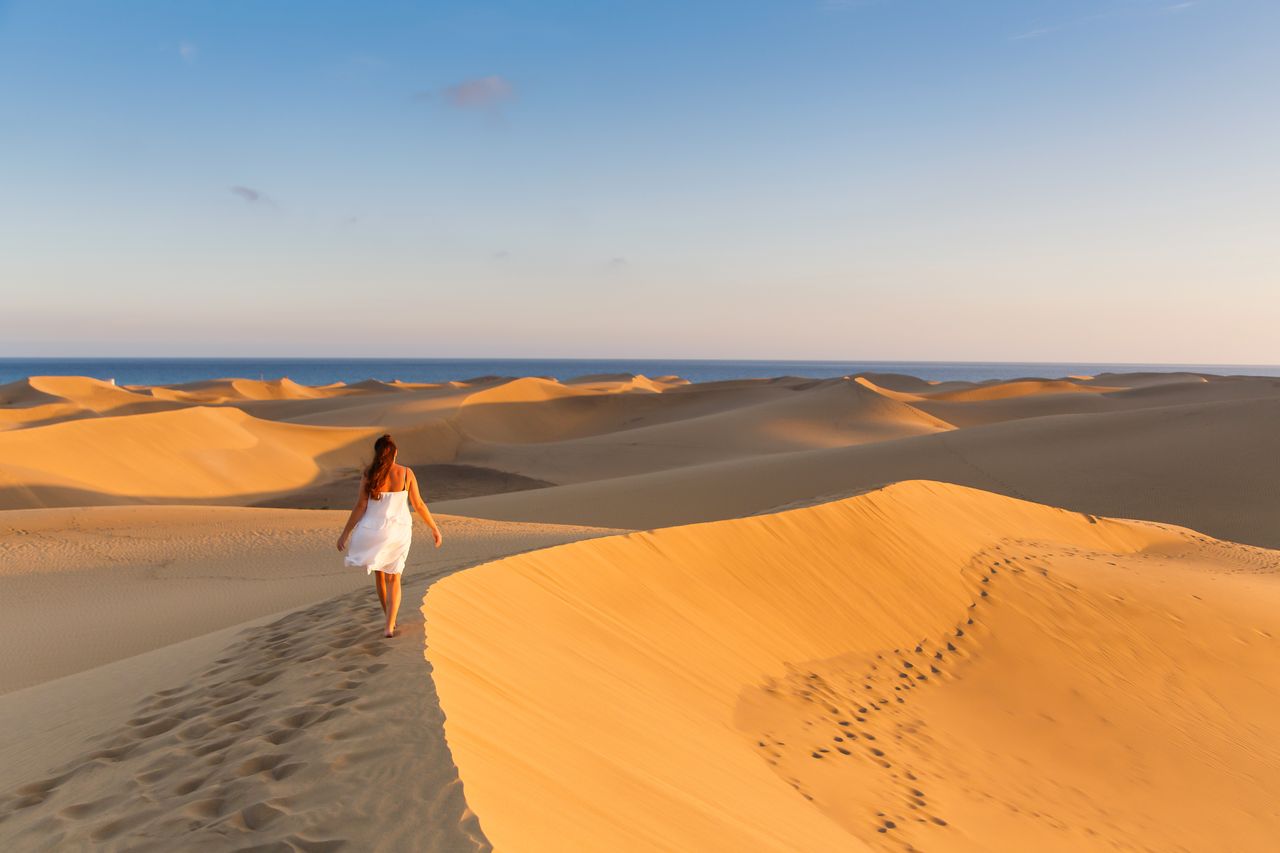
{"x":380,"y":541}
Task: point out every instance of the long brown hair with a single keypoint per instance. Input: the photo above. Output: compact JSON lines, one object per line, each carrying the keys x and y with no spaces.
{"x":379,"y":470}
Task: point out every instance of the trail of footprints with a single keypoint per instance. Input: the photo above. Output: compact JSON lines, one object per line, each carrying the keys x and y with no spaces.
{"x":195,"y":761}
{"x":864,"y":714}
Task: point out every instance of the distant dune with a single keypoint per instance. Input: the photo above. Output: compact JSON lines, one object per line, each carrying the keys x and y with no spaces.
{"x":1211,"y":466}
{"x":1141,"y":444}
{"x":189,"y":455}
{"x":49,"y":399}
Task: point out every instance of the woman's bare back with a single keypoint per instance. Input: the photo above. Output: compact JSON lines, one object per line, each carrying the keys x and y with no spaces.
{"x":398,"y":473}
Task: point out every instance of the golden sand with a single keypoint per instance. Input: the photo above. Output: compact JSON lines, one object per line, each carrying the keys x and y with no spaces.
{"x":881,"y":613}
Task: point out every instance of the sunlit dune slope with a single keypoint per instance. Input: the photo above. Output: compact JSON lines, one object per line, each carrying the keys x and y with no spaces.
{"x":539,"y":410}
{"x":1147,"y":379}
{"x":191,"y":454}
{"x":832,"y":413}
{"x":520,"y":411}
{"x":237,"y":390}
{"x":47,"y":399}
{"x":925,"y":666}
{"x":628,"y":382}
{"x":1021,"y":388}
{"x":993,"y":404}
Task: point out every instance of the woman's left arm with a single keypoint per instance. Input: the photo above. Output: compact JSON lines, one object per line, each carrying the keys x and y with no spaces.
{"x":415,"y":497}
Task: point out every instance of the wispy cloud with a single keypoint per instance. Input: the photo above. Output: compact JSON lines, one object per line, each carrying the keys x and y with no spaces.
{"x":251,"y":196}
{"x":1038,"y":32}
{"x":188,"y":50}
{"x":1130,"y":11}
{"x":1034,"y":34}
{"x":843,"y":5}
{"x":477,"y":93}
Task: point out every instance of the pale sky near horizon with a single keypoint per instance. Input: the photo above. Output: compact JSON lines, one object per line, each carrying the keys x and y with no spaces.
{"x":1019,"y":180}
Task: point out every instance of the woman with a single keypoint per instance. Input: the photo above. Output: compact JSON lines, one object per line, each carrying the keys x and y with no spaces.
{"x":380,"y":526}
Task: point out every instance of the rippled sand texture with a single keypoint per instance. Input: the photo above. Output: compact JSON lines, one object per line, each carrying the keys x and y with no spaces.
{"x":923,"y":667}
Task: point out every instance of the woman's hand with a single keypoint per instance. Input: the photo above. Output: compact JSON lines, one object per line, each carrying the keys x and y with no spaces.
{"x":342,"y":542}
{"x":435,"y":535}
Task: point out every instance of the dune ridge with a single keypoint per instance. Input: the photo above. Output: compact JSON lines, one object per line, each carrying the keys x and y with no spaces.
{"x":829,"y":678}
{"x":40,"y":400}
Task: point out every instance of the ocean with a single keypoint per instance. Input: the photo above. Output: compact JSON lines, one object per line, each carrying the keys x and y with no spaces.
{"x":322,"y":371}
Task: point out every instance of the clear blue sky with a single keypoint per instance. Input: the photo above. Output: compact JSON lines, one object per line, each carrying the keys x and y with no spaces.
{"x":1094,"y":180}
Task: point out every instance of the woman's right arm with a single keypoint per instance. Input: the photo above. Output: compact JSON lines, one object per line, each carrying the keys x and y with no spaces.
{"x":357,"y":513}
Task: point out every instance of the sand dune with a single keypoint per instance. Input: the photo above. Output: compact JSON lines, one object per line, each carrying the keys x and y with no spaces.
{"x":925,"y":665}
{"x":146,"y":702}
{"x":996,"y":406}
{"x":836,"y":413}
{"x":1115,"y":689}
{"x":1181,"y":447}
{"x":1186,"y":449}
{"x":1020,"y":388}
{"x":189,"y":454}
{"x":625,"y":382}
{"x":237,"y":390}
{"x":48,"y":399}
{"x":186,"y":455}
{"x":613,"y":427}
{"x":540,"y":410}
{"x":900,"y":382}
{"x":1148,"y":379}
{"x":140,"y":577}
{"x":1212,"y":467}
{"x":391,"y":410}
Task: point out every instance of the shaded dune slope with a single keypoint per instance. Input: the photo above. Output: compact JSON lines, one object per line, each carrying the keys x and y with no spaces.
{"x":1215,"y":467}
{"x":882,"y":672}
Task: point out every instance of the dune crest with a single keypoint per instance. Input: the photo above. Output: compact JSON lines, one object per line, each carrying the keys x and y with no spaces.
{"x":189,"y":454}
{"x":880,"y":671}
{"x":40,"y":400}
{"x":1021,"y":388}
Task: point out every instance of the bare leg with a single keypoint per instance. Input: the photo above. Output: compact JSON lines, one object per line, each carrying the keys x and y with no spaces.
{"x":393,"y":603}
{"x":380,"y":581}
